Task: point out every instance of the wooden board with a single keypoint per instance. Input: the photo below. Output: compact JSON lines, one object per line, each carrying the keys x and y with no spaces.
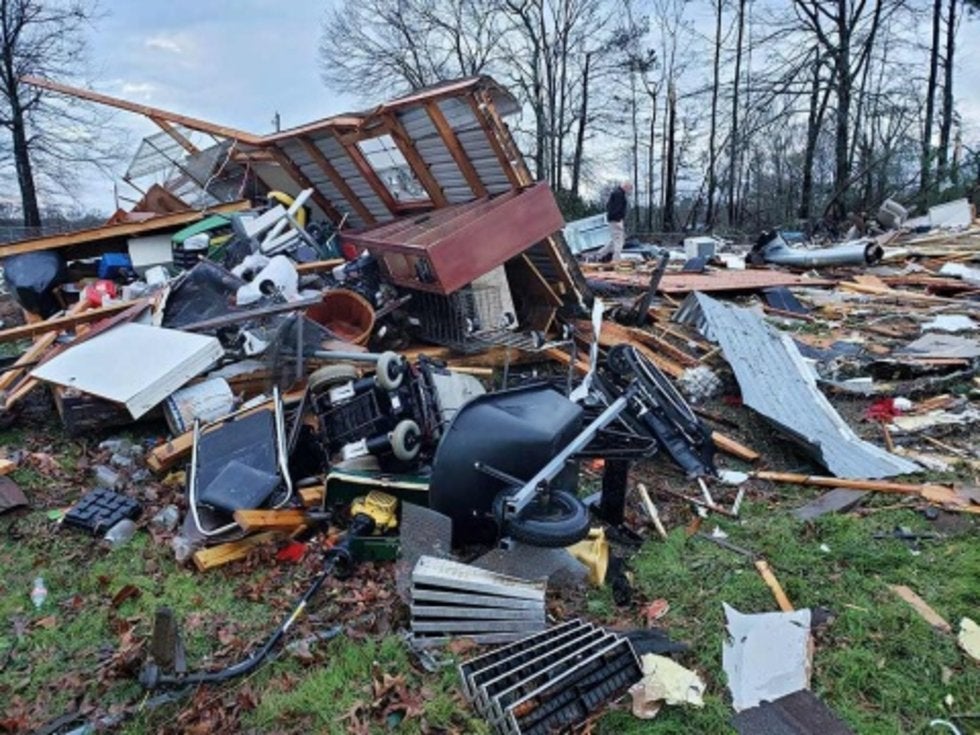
{"x":222,"y":554}
{"x":922,"y":607}
{"x":286,"y":519}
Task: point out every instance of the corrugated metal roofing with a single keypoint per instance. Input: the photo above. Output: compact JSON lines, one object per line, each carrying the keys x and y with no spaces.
{"x":776,"y":382}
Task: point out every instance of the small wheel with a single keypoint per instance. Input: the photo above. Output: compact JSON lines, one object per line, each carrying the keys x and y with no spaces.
{"x":556,"y":522}
{"x":390,"y":371}
{"x":406,"y":440}
{"x":618,"y":359}
{"x":329,"y":376}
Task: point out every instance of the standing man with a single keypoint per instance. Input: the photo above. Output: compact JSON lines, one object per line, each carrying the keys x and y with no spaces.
{"x":615,"y":217}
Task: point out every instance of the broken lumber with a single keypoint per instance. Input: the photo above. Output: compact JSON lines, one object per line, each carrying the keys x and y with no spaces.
{"x":773,"y":584}
{"x":222,"y":554}
{"x":881,"y":486}
{"x":922,"y":607}
{"x":7,"y":466}
{"x":311,"y":496}
{"x":61,"y":323}
{"x":734,"y":448}
{"x":285,"y":519}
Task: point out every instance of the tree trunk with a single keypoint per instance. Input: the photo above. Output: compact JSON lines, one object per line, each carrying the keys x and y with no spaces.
{"x":937,"y":12}
{"x":671,"y":184}
{"x":843,"y":78}
{"x":636,"y":151}
{"x":709,"y":216}
{"x":580,"y":135}
{"x":651,"y":189}
{"x":733,"y":157}
{"x":813,"y":124}
{"x":22,"y":161}
{"x":947,"y":121}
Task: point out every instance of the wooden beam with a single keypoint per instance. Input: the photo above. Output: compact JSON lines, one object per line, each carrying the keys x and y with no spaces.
{"x":500,"y":130}
{"x":176,"y":135}
{"x":338,"y":181}
{"x":122,"y":230}
{"x":218,"y":556}
{"x":304,"y":182}
{"x":285,"y":519}
{"x":495,"y":145}
{"x":421,"y":169}
{"x":455,"y":149}
{"x":734,"y":448}
{"x":61,"y":323}
{"x":364,"y":168}
{"x":193,"y":123}
{"x":40,"y":346}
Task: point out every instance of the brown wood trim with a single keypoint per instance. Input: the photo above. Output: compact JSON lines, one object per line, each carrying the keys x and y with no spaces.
{"x":364,"y":168}
{"x":176,"y":135}
{"x":455,"y":149}
{"x":506,"y":140}
{"x":495,"y":146}
{"x":421,"y":169}
{"x":342,"y":186}
{"x":304,"y":182}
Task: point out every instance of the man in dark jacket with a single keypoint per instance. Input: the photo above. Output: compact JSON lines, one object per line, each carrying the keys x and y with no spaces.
{"x":616,"y":207}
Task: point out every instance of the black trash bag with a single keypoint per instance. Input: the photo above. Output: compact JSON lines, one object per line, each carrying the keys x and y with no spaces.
{"x":32,"y":278}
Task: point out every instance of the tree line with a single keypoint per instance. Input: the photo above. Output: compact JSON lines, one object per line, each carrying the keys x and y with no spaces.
{"x":724,"y":114}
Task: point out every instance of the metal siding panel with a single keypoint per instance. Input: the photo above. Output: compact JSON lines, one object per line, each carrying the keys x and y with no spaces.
{"x":777,"y":383}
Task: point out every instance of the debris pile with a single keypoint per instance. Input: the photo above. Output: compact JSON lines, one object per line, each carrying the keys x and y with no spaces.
{"x":389,"y":353}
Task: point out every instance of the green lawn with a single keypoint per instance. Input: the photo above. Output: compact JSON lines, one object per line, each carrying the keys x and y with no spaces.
{"x":876,"y":663}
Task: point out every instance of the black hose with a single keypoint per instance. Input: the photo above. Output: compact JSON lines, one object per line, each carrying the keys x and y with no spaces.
{"x":152,"y":678}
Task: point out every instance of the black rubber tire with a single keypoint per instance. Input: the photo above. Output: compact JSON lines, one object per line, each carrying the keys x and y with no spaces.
{"x":563,"y":522}
{"x":331,"y":375}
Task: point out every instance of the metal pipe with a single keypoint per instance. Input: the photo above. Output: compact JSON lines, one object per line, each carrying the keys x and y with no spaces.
{"x":523,"y":496}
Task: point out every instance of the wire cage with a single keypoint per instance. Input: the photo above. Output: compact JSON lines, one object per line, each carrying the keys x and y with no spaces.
{"x":462,"y":321}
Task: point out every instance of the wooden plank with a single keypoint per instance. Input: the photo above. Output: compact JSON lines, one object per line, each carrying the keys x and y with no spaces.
{"x":7,"y":466}
{"x":734,"y":448}
{"x":14,"y":372}
{"x":675,"y":353}
{"x":364,"y":168}
{"x":293,"y":171}
{"x":193,"y":123}
{"x":495,"y":145}
{"x":421,"y":169}
{"x":455,"y":149}
{"x":176,"y":135}
{"x":922,"y":607}
{"x":318,"y":266}
{"x":222,"y":554}
{"x":118,"y":231}
{"x":338,"y":181}
{"x":312,"y":497}
{"x":286,"y":519}
{"x":772,"y":583}
{"x":63,"y":323}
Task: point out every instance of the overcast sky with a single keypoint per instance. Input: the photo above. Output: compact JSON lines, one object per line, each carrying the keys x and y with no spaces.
{"x":237,"y":62}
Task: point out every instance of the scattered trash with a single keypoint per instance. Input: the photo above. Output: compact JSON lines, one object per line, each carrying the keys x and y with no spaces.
{"x":969,"y":638}
{"x":101,"y":510}
{"x":766,"y":655}
{"x":120,"y":534}
{"x":799,"y":713}
{"x":39,"y":593}
{"x":664,"y":682}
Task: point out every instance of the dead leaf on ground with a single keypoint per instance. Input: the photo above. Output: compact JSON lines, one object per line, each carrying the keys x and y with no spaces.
{"x":126,"y":592}
{"x":48,"y":622}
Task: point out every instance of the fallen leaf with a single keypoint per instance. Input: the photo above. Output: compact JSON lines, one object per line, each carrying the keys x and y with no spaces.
{"x":126,"y":592}
{"x":47,"y":623}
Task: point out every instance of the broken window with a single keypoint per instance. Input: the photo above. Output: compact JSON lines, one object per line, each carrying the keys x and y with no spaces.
{"x":391,"y":167}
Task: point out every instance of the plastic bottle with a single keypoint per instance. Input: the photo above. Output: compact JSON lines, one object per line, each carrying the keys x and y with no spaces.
{"x":120,"y":533}
{"x":182,"y":548}
{"x":40,"y":593}
{"x":166,"y":520}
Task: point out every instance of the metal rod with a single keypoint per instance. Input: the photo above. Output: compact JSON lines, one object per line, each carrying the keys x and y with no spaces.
{"x":522,"y":497}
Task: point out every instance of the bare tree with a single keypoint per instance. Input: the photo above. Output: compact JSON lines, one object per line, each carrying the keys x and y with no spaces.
{"x":937,"y":14}
{"x":49,"y":138}
{"x":947,"y":113}
{"x":372,"y":46}
{"x":733,"y":134}
{"x":709,"y":216}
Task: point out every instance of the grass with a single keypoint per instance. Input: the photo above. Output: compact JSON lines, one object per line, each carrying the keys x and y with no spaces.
{"x":876,"y":662}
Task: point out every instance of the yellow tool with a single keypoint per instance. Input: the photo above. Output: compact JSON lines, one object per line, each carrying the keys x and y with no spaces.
{"x":380,"y":507}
